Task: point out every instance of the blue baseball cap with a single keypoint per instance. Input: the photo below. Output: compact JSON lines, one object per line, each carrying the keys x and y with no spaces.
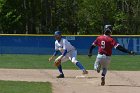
{"x":57,"y":33}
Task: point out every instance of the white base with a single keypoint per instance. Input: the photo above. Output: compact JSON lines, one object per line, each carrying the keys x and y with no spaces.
{"x":81,"y":76}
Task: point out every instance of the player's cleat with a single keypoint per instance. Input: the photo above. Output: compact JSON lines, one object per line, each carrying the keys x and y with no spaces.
{"x":99,"y":68}
{"x":102,"y":81}
{"x":61,"y":76}
{"x":85,"y":72}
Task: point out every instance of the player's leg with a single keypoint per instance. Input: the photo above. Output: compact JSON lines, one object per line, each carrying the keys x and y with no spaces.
{"x":97,"y":64}
{"x":64,"y":59}
{"x":61,"y":72}
{"x":73,"y":59}
{"x":104,"y":64}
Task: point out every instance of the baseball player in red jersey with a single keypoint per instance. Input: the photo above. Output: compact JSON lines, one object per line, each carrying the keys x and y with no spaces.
{"x":105,"y":45}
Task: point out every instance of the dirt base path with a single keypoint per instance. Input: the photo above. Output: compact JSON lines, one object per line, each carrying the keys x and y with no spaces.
{"x":116,"y":81}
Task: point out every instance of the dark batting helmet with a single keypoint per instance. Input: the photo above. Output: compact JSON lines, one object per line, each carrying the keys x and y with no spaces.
{"x":108,"y":29}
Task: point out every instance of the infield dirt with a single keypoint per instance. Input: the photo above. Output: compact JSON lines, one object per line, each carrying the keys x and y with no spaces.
{"x":116,"y":81}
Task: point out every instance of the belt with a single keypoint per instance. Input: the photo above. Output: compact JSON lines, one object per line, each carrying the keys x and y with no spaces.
{"x":104,"y":54}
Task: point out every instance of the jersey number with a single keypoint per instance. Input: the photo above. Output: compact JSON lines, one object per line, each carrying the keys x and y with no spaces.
{"x":103,"y":44}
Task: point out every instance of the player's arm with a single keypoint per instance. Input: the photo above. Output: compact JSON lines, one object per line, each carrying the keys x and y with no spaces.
{"x":53,"y":56}
{"x":64,"y":49}
{"x":90,"y":50}
{"x":63,"y":54}
{"x":121,"y":48}
{"x":94,"y":44}
{"x":55,"y":52}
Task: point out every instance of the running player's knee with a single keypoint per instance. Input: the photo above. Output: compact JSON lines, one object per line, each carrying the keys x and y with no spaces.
{"x":104,"y":68}
{"x":104,"y":71}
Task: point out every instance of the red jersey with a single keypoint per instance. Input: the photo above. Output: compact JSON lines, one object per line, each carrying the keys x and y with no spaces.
{"x":105,"y":44}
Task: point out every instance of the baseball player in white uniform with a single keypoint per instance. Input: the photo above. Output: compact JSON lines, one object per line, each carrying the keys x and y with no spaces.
{"x":68,"y":51}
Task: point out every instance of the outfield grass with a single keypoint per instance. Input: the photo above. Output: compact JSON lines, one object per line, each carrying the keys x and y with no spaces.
{"x":25,"y":87}
{"x":119,"y":62}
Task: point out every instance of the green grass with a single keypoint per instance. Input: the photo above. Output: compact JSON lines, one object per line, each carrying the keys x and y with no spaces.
{"x":128,"y":63}
{"x":119,"y":62}
{"x":25,"y":87}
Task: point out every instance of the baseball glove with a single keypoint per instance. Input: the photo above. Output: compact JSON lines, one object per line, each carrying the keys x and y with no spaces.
{"x":57,"y":62}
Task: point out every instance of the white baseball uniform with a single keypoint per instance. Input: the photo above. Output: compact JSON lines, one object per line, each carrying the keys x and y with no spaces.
{"x":62,"y":45}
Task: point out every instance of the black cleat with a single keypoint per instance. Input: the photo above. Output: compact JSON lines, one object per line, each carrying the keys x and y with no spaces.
{"x":60,"y":76}
{"x":102,"y":81}
{"x":85,"y":72}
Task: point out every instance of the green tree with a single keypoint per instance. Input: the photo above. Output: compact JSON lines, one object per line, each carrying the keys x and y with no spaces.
{"x":69,"y":16}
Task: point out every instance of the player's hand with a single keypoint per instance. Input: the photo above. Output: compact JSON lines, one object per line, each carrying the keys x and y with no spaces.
{"x":132,"y":53}
{"x":50,"y":59}
{"x":89,"y":55}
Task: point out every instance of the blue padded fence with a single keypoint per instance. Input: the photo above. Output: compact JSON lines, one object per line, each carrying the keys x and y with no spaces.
{"x":14,"y":44}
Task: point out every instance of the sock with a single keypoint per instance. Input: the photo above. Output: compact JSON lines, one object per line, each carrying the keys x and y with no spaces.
{"x":104,"y":72}
{"x":60,"y":69}
{"x":79,"y":65}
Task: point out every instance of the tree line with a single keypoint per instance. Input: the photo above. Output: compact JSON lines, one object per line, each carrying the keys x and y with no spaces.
{"x":69,"y":16}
